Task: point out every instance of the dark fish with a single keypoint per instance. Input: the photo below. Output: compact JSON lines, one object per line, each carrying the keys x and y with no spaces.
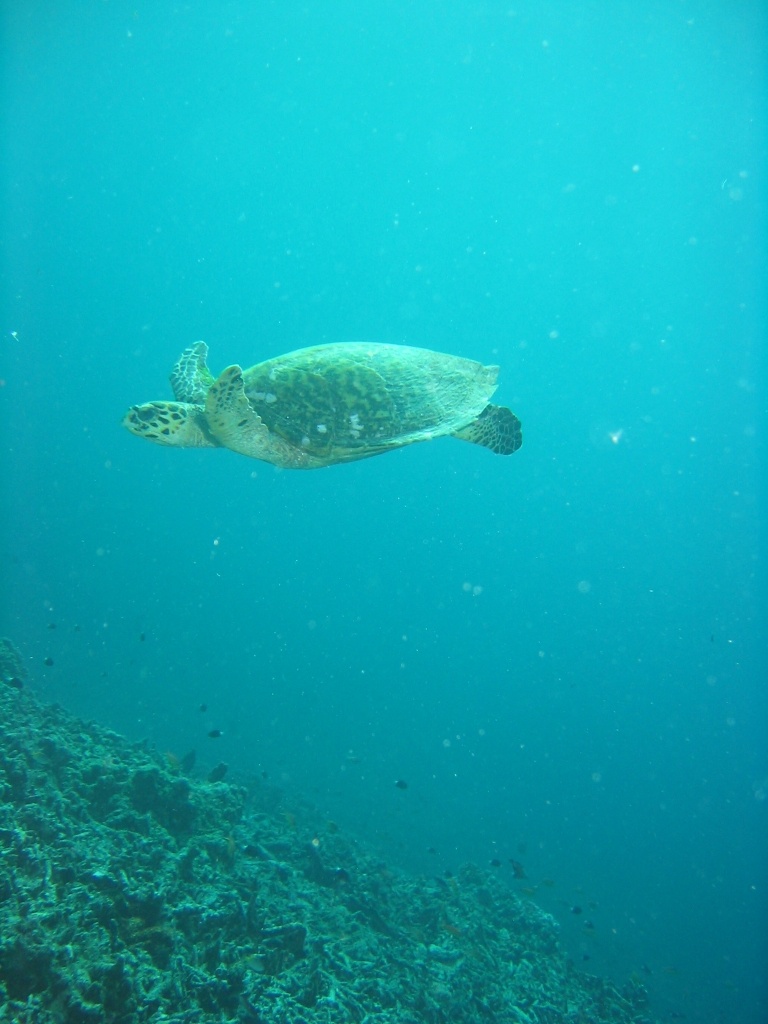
{"x":48,"y":662}
{"x":215,"y":733}
{"x":187,"y":763}
{"x":401,"y":784}
{"x":432,"y":850}
{"x":142,"y":636}
{"x":517,"y":868}
{"x":495,"y":862}
{"x":203,"y":708}
{"x":218,"y":773}
{"x":51,"y":625}
{"x":16,"y":683}
{"x":575,"y":910}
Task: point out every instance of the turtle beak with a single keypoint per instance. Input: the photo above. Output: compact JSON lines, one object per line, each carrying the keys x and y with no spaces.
{"x":138,"y":418}
{"x":132,"y":418}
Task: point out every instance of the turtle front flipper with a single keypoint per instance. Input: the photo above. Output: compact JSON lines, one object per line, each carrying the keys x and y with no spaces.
{"x":496,"y":428}
{"x":190,"y":377}
{"x":231,"y":418}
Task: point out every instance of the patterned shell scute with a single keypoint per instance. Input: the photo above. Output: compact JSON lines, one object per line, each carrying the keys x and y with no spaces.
{"x":359,"y":398}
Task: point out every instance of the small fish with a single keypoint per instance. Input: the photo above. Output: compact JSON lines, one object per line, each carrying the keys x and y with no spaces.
{"x":142,"y":637}
{"x":187,"y":763}
{"x":203,"y":708}
{"x":401,"y":784}
{"x":214,"y":734}
{"x":48,"y":662}
{"x":517,"y":868}
{"x":218,"y":773}
{"x":51,"y":625}
{"x":495,"y":862}
{"x":15,"y":682}
{"x":575,"y":910}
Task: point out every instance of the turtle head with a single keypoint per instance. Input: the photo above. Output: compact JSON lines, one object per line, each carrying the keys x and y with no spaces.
{"x":176,"y":424}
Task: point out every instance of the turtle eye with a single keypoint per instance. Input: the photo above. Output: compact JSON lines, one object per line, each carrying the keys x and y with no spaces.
{"x":145,"y":413}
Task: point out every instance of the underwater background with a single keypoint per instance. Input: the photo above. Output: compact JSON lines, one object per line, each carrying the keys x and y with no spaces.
{"x":563,"y":654}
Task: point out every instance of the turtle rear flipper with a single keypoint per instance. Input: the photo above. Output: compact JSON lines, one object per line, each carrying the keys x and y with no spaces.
{"x":231,"y":418}
{"x":190,"y":377}
{"x":496,"y":428}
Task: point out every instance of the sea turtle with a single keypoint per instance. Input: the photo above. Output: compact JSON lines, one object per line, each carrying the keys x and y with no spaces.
{"x":331,"y":403}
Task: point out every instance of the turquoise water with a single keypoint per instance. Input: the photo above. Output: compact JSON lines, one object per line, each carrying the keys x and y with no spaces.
{"x":562,"y":653}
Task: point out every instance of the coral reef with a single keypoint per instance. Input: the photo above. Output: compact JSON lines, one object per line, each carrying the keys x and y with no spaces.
{"x":130,"y":893}
{"x":12,"y":669}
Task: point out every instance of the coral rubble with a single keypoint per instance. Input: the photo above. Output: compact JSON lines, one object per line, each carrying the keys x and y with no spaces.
{"x":130,"y":893}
